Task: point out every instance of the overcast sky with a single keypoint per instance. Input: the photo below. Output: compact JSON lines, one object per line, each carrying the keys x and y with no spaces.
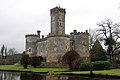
{"x":21,"y":17}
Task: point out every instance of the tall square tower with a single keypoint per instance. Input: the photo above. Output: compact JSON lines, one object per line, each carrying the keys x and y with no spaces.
{"x":57,"y":21}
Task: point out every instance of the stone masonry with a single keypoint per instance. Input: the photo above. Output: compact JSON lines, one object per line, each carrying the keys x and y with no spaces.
{"x":57,"y":43}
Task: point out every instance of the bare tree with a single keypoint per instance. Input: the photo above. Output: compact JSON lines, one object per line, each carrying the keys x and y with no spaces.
{"x":92,"y":37}
{"x":12,"y":52}
{"x":110,"y":33}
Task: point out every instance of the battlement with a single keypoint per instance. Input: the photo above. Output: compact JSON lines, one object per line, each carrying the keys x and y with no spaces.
{"x":57,"y":35}
{"x":43,"y":39}
{"x":31,"y":35}
{"x":82,"y":33}
{"x":57,"y":9}
{"x":77,"y":33}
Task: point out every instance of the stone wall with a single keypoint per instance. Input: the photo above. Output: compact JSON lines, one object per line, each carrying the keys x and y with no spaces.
{"x":56,"y":48}
{"x":80,"y":43}
{"x":42,"y":48}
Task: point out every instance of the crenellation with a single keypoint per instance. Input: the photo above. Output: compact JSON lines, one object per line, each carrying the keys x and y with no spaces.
{"x":34,"y":35}
{"x":56,"y":10}
{"x":77,"y":33}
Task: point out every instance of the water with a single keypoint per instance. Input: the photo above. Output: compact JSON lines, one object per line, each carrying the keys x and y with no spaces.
{"x":37,"y":76}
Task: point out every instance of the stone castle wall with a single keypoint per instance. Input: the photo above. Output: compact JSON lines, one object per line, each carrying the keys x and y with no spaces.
{"x":56,"y":48}
{"x":80,"y":43}
{"x":42,"y":48}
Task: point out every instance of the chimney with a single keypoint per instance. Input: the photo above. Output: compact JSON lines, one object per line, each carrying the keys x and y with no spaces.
{"x":42,"y":36}
{"x":38,"y":33}
{"x":86,"y":31}
{"x":75,"y":31}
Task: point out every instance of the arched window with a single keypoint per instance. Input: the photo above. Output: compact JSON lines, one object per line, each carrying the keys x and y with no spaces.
{"x":29,"y":50}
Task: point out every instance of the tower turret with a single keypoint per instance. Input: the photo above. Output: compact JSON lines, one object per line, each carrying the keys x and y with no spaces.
{"x":31,"y":44}
{"x":57,"y":20}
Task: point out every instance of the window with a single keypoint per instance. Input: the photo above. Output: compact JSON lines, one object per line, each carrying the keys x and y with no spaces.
{"x":29,"y":50}
{"x":60,"y":23}
{"x":72,"y":43}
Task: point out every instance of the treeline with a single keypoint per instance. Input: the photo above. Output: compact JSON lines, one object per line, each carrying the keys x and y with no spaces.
{"x":9,"y":56}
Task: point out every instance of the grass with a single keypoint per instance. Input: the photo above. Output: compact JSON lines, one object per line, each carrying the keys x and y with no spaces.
{"x":109,"y":72}
{"x":20,"y":68}
{"x":114,"y":72}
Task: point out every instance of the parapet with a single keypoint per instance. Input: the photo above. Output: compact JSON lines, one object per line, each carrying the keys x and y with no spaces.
{"x":31,"y":35}
{"x":57,"y":9}
{"x":77,"y":33}
{"x":58,"y":35}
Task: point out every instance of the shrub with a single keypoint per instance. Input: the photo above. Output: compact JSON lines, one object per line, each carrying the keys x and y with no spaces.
{"x":36,"y":61}
{"x":101,"y":65}
{"x":72,"y":59}
{"x":84,"y":66}
{"x":98,"y":65}
{"x":118,"y":60}
{"x":25,"y":60}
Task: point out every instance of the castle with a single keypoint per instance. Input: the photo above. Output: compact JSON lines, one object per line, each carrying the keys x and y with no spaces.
{"x":57,"y":43}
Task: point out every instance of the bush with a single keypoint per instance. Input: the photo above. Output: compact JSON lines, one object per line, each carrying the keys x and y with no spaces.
{"x":118,"y":60}
{"x":36,"y":61}
{"x":98,"y":65}
{"x":84,"y":66}
{"x":72,"y":59}
{"x":25,"y":60}
{"x":101,"y":65}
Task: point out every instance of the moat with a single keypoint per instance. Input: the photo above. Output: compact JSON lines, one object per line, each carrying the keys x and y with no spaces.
{"x":37,"y":76}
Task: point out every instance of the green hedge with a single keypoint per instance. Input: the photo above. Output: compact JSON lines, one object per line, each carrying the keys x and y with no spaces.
{"x":98,"y":65}
{"x":118,"y":60}
{"x":84,"y":66}
{"x":101,"y":65}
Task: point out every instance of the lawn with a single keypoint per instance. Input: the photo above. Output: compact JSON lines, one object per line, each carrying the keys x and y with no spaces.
{"x":59,"y":70}
{"x":113,"y":72}
{"x":20,"y":68}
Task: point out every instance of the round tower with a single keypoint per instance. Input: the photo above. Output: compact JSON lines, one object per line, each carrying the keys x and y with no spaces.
{"x":31,"y":44}
{"x":57,"y":20}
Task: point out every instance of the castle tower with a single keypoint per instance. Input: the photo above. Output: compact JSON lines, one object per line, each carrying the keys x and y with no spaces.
{"x":31,"y":44}
{"x":58,"y":41}
{"x":80,"y":43}
{"x":57,"y":21}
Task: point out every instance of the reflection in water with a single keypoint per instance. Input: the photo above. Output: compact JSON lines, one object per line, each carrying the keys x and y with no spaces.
{"x":28,"y":76}
{"x":9,"y":76}
{"x":37,"y":76}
